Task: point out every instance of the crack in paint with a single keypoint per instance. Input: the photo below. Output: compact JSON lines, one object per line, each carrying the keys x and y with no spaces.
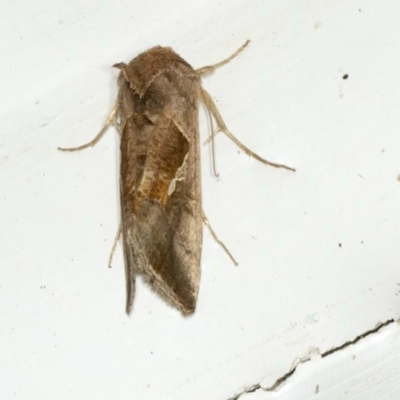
{"x":285,"y":377}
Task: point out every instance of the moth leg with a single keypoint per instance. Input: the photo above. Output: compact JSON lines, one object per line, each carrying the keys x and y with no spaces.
{"x":110,"y":120}
{"x":211,"y":68}
{"x":209,"y":102}
{"x":117,"y":236}
{"x":213,"y":234}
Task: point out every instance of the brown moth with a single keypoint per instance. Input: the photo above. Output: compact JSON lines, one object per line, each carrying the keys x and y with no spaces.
{"x":160,"y":182}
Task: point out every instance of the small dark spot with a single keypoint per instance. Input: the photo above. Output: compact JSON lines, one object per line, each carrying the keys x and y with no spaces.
{"x":317,"y":389}
{"x":362,"y":242}
{"x":340,"y":244}
{"x":398,"y":177}
{"x":345,"y":76}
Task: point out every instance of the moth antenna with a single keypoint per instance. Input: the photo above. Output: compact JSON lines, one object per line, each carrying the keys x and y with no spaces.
{"x":211,"y":68}
{"x":213,"y":155}
{"x":211,"y":137}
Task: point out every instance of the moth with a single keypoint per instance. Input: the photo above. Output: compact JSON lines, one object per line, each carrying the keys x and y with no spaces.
{"x":160,"y":184}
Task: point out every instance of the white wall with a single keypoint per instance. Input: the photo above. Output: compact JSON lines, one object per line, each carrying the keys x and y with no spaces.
{"x":318,"y":250}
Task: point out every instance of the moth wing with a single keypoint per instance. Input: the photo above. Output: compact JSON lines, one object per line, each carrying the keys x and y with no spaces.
{"x":161,"y":208}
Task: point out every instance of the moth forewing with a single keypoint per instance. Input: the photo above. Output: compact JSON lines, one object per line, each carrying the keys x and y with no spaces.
{"x":160,"y":175}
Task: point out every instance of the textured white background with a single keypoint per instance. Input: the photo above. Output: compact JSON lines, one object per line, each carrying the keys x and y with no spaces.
{"x":319,"y":250}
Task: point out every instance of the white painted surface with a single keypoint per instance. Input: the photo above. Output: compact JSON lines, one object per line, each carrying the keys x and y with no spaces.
{"x":318,"y":250}
{"x":367,"y":370}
